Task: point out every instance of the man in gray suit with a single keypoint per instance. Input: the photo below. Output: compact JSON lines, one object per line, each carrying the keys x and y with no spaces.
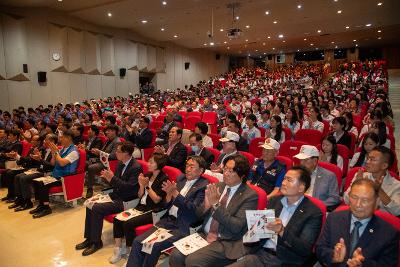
{"x":324,"y":184}
{"x":229,"y":148}
{"x":109,"y":147}
{"x":223,"y":212}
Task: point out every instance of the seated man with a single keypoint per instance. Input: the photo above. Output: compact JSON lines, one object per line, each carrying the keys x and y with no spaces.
{"x":125,"y":188}
{"x":77,"y":130}
{"x":183,"y":198}
{"x":176,"y":151}
{"x":268,"y":172}
{"x":229,"y":143}
{"x":378,"y":162}
{"x":141,"y":136}
{"x":234,"y":126}
{"x":93,"y":142}
{"x":196,"y":144}
{"x":13,"y":145}
{"x":23,"y":181}
{"x":357,"y":237}
{"x":202,"y":128}
{"x":224,"y":215}
{"x":163,"y":132}
{"x":109,"y":147}
{"x":297,"y":225}
{"x":324,"y":184}
{"x":65,"y":163}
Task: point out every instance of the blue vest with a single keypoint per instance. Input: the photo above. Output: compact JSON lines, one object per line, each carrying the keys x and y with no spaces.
{"x":68,"y":169}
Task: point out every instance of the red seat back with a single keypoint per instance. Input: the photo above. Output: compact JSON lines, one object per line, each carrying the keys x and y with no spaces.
{"x":146,"y":153}
{"x":215,"y":152}
{"x":210,"y":117}
{"x":195,"y":113}
{"x":156,"y":125}
{"x":290,"y":148}
{"x":215,"y":139}
{"x":309,"y":136}
{"x":262,"y":196}
{"x":287,"y":161}
{"x":171,"y":172}
{"x":191,"y":121}
{"x":211,"y":179}
{"x":251,"y":159}
{"x":288,"y":133}
{"x":25,"y":148}
{"x":144,"y":165}
{"x":82,"y":161}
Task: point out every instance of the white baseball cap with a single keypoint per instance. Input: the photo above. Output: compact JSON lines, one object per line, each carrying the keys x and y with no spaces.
{"x":270,"y":144}
{"x":307,"y":151}
{"x":230,"y":136}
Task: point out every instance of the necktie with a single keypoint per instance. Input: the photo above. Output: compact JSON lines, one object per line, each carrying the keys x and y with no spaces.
{"x":354,"y":236}
{"x":213,"y":233}
{"x":123,"y":170}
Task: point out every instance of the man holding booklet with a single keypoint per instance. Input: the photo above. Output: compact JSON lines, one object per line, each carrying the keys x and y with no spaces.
{"x":224,"y":215}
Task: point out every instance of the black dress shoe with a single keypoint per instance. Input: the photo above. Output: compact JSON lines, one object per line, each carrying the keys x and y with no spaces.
{"x":89,"y":193}
{"x":5,"y":198}
{"x":26,"y":206}
{"x":44,"y":212}
{"x":37,"y":209}
{"x":83,"y":245}
{"x":92,"y":249}
{"x":10,"y":200}
{"x":16,"y":204}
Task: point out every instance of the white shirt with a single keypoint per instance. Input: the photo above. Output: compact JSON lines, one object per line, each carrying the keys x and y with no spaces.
{"x":126,"y":165}
{"x":316,"y":125}
{"x":207,"y":141}
{"x":310,"y":190}
{"x":233,"y":191}
{"x":146,"y":193}
{"x":173,"y":211}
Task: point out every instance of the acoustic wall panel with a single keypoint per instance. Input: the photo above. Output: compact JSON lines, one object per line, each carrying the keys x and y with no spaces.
{"x":93,"y":86}
{"x":76,"y":51}
{"x":58,"y":44}
{"x":2,"y":58}
{"x":160,"y":60}
{"x":121,"y":86}
{"x":77,"y":84}
{"x":92,"y":53}
{"x":19,"y":93}
{"x":61,"y":89}
{"x":151,"y":59}
{"x":15,"y":47}
{"x":107,"y":55}
{"x":133,"y":81}
{"x":132,"y":56}
{"x":4,"y":99}
{"x":142,"y":57}
{"x":120,"y":53}
{"x":107,"y":86}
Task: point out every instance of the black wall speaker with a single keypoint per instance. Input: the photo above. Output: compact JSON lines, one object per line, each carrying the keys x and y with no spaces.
{"x":352,"y":50}
{"x":42,"y":77}
{"x":269,"y":57}
{"x":217,"y":57}
{"x":122,"y":72}
{"x":187,"y":64}
{"x":25,"y":68}
{"x":278,"y":58}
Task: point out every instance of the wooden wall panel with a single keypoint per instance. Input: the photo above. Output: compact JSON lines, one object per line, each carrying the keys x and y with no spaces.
{"x":132,"y":55}
{"x":92,"y":53}
{"x":151,"y":59}
{"x":142,"y":57}
{"x":76,"y":51}
{"x":58,"y":43}
{"x":107,"y":55}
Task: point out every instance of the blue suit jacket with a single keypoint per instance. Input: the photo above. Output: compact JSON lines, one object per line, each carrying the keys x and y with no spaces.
{"x":186,"y":205}
{"x":379,"y":241}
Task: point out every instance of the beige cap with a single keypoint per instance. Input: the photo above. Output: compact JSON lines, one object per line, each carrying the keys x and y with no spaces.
{"x":230,"y":136}
{"x":270,"y":144}
{"x":307,"y":151}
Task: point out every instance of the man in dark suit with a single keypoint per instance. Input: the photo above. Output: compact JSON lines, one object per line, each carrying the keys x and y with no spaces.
{"x":141,"y":136}
{"x":196,"y":144}
{"x":357,"y":237}
{"x":183,"y":198}
{"x":224,"y":215}
{"x":109,"y":147}
{"x":176,"y":151}
{"x":297,"y":225}
{"x":125,"y":188}
{"x":13,"y":145}
{"x":77,"y":130}
{"x":93,"y":142}
{"x":163,"y":132}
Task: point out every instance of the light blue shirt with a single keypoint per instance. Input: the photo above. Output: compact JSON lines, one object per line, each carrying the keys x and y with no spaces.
{"x":363,"y":222}
{"x":286,"y":213}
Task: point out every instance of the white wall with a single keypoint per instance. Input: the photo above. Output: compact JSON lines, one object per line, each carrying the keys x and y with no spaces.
{"x":91,"y":57}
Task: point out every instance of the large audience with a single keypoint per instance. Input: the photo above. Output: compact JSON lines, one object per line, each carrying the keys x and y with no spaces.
{"x":311,"y":142}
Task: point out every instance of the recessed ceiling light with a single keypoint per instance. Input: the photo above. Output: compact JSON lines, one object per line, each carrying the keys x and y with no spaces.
{"x":228,"y":48}
{"x":175,"y":36}
{"x":269,"y":37}
{"x":221,"y":30}
{"x":263,"y":43}
{"x":368,"y":25}
{"x":335,"y":0}
{"x":354,"y":40}
{"x":205,"y":44}
{"x":298,"y":6}
{"x":267,"y":12}
{"x":164,"y":3}
{"x":249,"y":55}
{"x":144,"y":21}
{"x":336,"y":46}
{"x":311,"y":44}
{"x":237,"y":17}
{"x":298,"y":50}
{"x":305,"y":39}
{"x":225,"y":42}
{"x":264,"y":53}
{"x":162,"y":29}
{"x":356,"y":44}
{"x":275,"y":22}
{"x":256,"y":50}
{"x":109,"y":14}
{"x":247,"y":26}
{"x":380,"y":3}
{"x":59,"y":0}
{"x":283,"y":41}
{"x":379,"y":31}
{"x":379,"y":38}
{"x":247,"y":40}
{"x":280,"y":35}
{"x":319,"y":31}
{"x":211,"y":43}
{"x":273,"y":48}
{"x":339,"y":11}
{"x":316,"y":48}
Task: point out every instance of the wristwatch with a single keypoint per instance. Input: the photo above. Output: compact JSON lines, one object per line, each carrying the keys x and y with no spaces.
{"x":215,"y":206}
{"x":147,"y":188}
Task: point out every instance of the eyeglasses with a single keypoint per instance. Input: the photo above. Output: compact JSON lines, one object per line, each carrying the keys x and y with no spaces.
{"x":228,"y":170}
